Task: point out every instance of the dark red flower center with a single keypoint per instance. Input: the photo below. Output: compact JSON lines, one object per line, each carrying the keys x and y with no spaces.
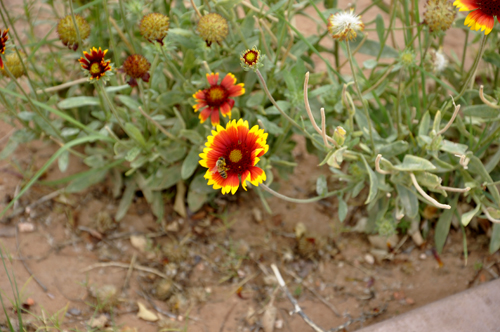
{"x":251,"y":57}
{"x":3,"y":40}
{"x":216,"y":95}
{"x":489,"y":7}
{"x":238,"y":157}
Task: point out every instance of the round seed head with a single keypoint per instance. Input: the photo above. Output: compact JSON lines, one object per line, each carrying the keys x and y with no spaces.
{"x":67,"y":32}
{"x":14,"y":64}
{"x":213,"y":28}
{"x":439,"y":15}
{"x":154,"y":27}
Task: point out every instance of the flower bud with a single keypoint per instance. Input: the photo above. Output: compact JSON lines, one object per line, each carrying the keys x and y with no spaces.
{"x":213,"y":28}
{"x":136,"y":66}
{"x":67,"y":32}
{"x":251,"y":59}
{"x":154,"y":27}
{"x":339,"y":135}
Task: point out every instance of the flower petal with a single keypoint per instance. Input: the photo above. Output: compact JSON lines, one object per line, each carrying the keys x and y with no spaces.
{"x":228,"y":81}
{"x":466,"y":5}
{"x":215,"y":118}
{"x":236,"y":90}
{"x":213,"y":78}
{"x":205,"y":114}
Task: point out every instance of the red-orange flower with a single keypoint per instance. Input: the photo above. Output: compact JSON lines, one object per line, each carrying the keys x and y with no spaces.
{"x":483,"y":15}
{"x":232,"y":153}
{"x":94,"y":63}
{"x":3,"y":44}
{"x":216,"y":97}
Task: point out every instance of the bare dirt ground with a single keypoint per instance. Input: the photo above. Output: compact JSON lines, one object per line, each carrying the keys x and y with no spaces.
{"x":211,"y":271}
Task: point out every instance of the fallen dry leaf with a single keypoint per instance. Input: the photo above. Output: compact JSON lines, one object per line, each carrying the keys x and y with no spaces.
{"x":146,"y":314}
{"x":139,"y":242}
{"x":98,"y":322}
{"x":180,"y":204}
{"x":269,"y":318}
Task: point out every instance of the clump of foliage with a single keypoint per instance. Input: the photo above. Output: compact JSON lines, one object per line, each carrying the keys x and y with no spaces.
{"x":389,"y":129}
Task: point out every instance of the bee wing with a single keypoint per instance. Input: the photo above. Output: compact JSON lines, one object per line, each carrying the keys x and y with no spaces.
{"x":214,"y":169}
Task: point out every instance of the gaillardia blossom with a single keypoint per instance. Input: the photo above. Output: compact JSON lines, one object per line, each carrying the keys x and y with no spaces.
{"x":483,"y":15}
{"x":232,"y":153}
{"x":251,"y":59}
{"x":94,"y":64}
{"x":345,"y":25}
{"x":216,"y":97}
{"x":3,"y":44}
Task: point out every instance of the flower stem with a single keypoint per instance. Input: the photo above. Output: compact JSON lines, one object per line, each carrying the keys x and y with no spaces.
{"x":111,"y":106}
{"x":297,"y":200}
{"x":292,"y":121}
{"x":365,"y":108}
{"x":78,"y":36}
{"x":473,"y":69}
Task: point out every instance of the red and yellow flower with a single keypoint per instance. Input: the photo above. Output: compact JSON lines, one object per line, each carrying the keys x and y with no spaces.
{"x":232,"y":153}
{"x":217,"y":97}
{"x":483,"y":13}
{"x":94,"y":64}
{"x":3,"y":44}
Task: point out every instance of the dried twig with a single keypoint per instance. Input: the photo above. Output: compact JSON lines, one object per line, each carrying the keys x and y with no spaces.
{"x":377,"y":165}
{"x":129,"y":272}
{"x":21,"y":258}
{"x":297,"y":309}
{"x":63,"y":86}
{"x":43,"y":199}
{"x":448,"y":125}
{"x":126,"y":266}
{"x":486,"y":101}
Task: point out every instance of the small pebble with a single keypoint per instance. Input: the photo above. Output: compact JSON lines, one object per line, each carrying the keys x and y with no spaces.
{"x":75,"y":311}
{"x":278,"y":324}
{"x":369,"y":259}
{"x":423,"y":256}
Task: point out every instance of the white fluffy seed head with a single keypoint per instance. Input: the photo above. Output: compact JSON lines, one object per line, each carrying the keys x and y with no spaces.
{"x":345,"y":25}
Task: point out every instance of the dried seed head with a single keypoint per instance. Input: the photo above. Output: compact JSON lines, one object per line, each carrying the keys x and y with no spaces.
{"x":345,"y":25}
{"x":213,"y":28}
{"x":436,"y":61}
{"x":251,"y":59}
{"x":439,"y":15}
{"x":67,"y":32}
{"x":136,"y":66}
{"x":14,"y":64}
{"x":154,"y":27}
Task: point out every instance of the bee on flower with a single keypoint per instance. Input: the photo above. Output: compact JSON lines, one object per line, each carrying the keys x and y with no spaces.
{"x":232,"y":153}
{"x":217,"y":97}
{"x":482,"y":15}
{"x":345,"y":25}
{"x":95,"y":66}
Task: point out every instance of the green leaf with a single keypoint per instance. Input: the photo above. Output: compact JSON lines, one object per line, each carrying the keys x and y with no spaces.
{"x":255,"y":99}
{"x":8,"y":149}
{"x":321,"y":186}
{"x":477,"y":167}
{"x":467,"y":216}
{"x":191,"y":135}
{"x":342,"y":209}
{"x":65,"y":132}
{"x":190,"y":163}
{"x":492,"y":57}
{"x":425,"y":124}
{"x":393,"y":149}
{"x":133,"y":153}
{"x":172,"y":153}
{"x":158,"y":206}
{"x":63,"y":161}
{"x":428,"y":180}
{"x":453,"y":148}
{"x":371,"y":47}
{"x":130,"y":102}
{"x":135,"y":133}
{"x":270,"y":126}
{"x":495,"y":239}
{"x":409,"y":201}
{"x":414,"y":163}
{"x":442,"y":229}
{"x":196,"y":200}
{"x":164,"y":178}
{"x":379,"y":25}
{"x":143,"y":186}
{"x":75,"y":102}
{"x":481,"y":111}
{"x":373,"y":182}
{"x":128,"y":196}
{"x":111,"y":89}
{"x":83,"y":182}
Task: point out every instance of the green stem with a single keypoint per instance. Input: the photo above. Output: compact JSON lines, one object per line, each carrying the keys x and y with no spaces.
{"x":292,"y":121}
{"x":472,"y":72}
{"x":78,"y":36}
{"x":125,"y":25}
{"x":110,"y":32}
{"x":297,"y":200}
{"x":365,"y":108}
{"x":464,"y":52}
{"x":111,"y":106}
